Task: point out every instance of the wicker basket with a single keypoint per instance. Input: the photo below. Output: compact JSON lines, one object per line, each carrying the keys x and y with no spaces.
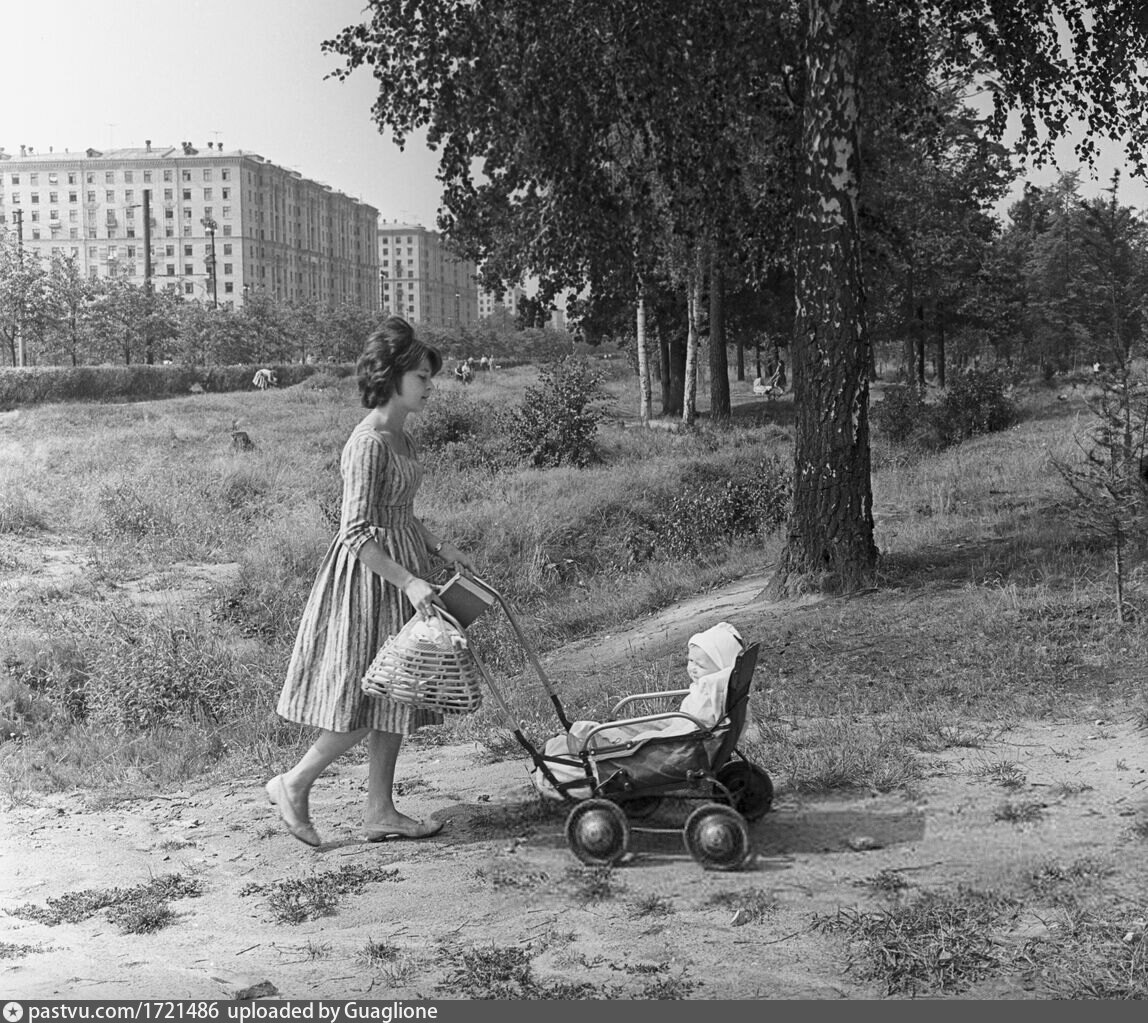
{"x":427,"y":664}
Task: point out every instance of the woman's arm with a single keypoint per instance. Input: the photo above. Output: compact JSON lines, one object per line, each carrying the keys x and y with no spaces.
{"x":443,"y":548}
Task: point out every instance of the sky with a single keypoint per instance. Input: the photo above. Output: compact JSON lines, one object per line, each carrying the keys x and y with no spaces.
{"x":250,"y":75}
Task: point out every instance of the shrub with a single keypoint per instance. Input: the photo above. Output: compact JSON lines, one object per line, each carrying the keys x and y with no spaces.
{"x":451,"y":418}
{"x":707,"y":514}
{"x":901,"y":413}
{"x":976,"y":402}
{"x":557,"y":421}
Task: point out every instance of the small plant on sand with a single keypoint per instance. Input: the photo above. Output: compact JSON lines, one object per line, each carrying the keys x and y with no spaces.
{"x":506,"y":974}
{"x":11,"y":950}
{"x":374,"y":953}
{"x":749,"y":907}
{"x":884,"y":882}
{"x":1004,"y":773}
{"x":1024,"y":812}
{"x":140,"y":909}
{"x":651,"y":905}
{"x":593,"y":884}
{"x":297,"y":900}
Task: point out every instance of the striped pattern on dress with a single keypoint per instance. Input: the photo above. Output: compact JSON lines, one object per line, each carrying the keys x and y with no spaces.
{"x":352,"y":611}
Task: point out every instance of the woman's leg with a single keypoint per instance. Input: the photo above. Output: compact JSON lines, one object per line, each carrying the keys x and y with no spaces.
{"x":291,"y":790}
{"x":383,"y":819}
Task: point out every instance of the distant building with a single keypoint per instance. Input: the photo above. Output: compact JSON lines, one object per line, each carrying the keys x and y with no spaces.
{"x":421,"y":280}
{"x":489,"y":304}
{"x":274,"y":231}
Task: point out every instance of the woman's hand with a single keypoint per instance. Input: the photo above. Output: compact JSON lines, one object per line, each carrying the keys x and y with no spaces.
{"x":421,"y":595}
{"x":449,"y":552}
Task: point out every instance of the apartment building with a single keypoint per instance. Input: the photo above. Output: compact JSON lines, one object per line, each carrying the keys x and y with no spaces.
{"x":488,"y":305}
{"x":421,"y":280}
{"x":221,"y":224}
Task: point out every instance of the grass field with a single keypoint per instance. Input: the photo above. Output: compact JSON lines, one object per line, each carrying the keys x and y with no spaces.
{"x":118,"y":673}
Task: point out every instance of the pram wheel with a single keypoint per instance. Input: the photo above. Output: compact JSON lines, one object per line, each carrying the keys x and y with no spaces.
{"x":598,"y":832}
{"x":717,"y":837}
{"x":750,"y":789}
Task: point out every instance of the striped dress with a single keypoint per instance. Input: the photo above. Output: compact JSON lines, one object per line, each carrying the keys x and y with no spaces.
{"x":351,"y":611}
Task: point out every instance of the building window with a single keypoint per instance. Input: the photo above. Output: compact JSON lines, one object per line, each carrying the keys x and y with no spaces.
{"x":33,"y":179}
{"x":73,"y":215}
{"x":53,"y":197}
{"x":187,"y":227}
{"x":109,"y":177}
{"x":207,"y":195}
{"x":187,"y":195}
{"x":226,"y":212}
{"x":53,"y":214}
{"x":16,"y":198}
{"x":73,"y":232}
{"x":91,"y":196}
{"x":206,"y":173}
{"x":207,"y":211}
{"x":169,"y":250}
{"x":187,"y":214}
{"x":167,"y":174}
{"x":228,"y":287}
{"x":131,"y":252}
{"x":226,"y":193}
{"x":188,"y":288}
{"x":187,"y":250}
{"x":185,"y":176}
{"x":171,"y":269}
{"x":73,"y":197}
{"x":167,"y":194}
{"x":225,"y":173}
{"x":129,"y":195}
{"x":227,"y":249}
{"x":168,"y":231}
{"x":226,"y":230}
{"x":128,"y":176}
{"x":90,"y":178}
{"x":72,"y":178}
{"x":35,"y":197}
{"x":35,"y":215}
{"x":168,"y":214}
{"x":109,"y":196}
{"x":227,"y":268}
{"x":147,"y":177}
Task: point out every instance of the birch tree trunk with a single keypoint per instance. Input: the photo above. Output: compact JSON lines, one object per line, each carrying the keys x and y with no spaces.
{"x":830,"y":531}
{"x":643,"y":359}
{"x":690,"y":397}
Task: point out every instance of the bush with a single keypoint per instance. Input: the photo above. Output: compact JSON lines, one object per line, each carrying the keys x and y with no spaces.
{"x":976,"y":402}
{"x":557,"y":421}
{"x":902,"y":412}
{"x":451,"y":418}
{"x":703,"y":517}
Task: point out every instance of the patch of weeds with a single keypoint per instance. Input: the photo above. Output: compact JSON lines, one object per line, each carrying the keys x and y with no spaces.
{"x":885,"y":882}
{"x":502,"y":973}
{"x":651,"y":905}
{"x":1140,"y":828}
{"x":175,"y":844}
{"x":668,"y":988}
{"x":503,"y":876}
{"x":518,"y":818}
{"x":938,"y":941}
{"x":594,"y":884}
{"x":1026,"y":812}
{"x":11,"y":950}
{"x":316,"y":950}
{"x":1005,"y":773}
{"x":142,"y":916}
{"x":1100,"y":958}
{"x":375,"y":953}
{"x":1059,"y":885}
{"x":297,"y":900}
{"x":749,"y":907}
{"x":137,"y":906}
{"x":552,"y":937}
{"x":1064,"y":789}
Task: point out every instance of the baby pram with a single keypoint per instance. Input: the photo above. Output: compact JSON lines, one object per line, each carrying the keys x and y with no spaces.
{"x":611,"y":784}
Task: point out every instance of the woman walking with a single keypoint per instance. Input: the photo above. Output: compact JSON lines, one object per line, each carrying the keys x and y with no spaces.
{"x":370,"y":583}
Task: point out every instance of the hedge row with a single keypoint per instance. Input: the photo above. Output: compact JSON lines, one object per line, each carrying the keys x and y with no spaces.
{"x":35,"y":384}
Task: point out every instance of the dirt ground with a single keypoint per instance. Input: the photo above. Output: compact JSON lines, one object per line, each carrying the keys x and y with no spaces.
{"x":499,"y":881}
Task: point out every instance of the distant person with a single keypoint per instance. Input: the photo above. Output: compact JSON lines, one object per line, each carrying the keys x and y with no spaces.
{"x":371,"y":581}
{"x":263,"y":379}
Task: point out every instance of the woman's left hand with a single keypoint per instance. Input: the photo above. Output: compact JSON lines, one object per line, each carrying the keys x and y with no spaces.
{"x":451,"y":553}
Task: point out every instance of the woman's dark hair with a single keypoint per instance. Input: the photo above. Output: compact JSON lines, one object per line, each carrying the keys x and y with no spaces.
{"x":391,"y":351}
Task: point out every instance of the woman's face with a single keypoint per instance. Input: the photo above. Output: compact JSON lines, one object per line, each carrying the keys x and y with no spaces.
{"x":415,"y":387}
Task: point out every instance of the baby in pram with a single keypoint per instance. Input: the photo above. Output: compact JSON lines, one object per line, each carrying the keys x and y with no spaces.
{"x":712,"y":655}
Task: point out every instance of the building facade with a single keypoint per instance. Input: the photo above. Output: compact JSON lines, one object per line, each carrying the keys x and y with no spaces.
{"x":221,"y":224}
{"x":422,"y":281}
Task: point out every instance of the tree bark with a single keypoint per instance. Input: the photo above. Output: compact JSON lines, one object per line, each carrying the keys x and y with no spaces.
{"x":829,"y":540}
{"x":643,"y":359}
{"x":690,"y":396}
{"x":666,"y":374}
{"x":719,"y":363}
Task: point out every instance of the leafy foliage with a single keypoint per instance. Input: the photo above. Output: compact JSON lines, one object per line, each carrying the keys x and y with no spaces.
{"x":976,"y":402}
{"x":557,"y":421}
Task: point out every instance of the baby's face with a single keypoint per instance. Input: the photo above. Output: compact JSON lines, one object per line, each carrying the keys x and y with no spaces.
{"x":699,"y":664}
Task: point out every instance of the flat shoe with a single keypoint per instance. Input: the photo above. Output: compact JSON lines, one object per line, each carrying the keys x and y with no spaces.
{"x":421,"y":829}
{"x":300,"y":827}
